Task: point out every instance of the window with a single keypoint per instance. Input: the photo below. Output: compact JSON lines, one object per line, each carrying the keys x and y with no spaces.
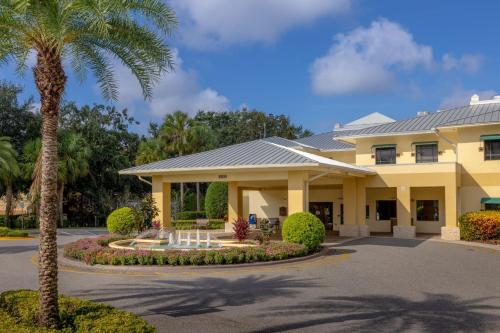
{"x":386,"y":210}
{"x":427,"y":153}
{"x":427,"y":210}
{"x":491,"y":206}
{"x":385,"y":155}
{"x":367,"y":212}
{"x":492,"y":150}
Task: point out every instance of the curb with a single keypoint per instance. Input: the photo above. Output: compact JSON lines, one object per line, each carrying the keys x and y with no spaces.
{"x":75,"y":264}
{"x":460,"y":242}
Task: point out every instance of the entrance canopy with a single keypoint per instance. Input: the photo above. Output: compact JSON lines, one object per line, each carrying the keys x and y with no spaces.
{"x":251,"y":156}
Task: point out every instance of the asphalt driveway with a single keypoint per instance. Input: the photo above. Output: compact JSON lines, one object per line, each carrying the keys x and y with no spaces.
{"x":371,"y":285}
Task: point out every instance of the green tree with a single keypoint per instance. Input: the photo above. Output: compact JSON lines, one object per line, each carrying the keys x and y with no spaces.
{"x":86,"y":33}
{"x":151,"y":150}
{"x":9,"y":170}
{"x":183,"y":135}
{"x":73,"y":163}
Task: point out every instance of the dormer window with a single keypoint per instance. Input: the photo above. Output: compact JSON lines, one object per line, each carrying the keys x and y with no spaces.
{"x":385,"y":154}
{"x":491,"y":147}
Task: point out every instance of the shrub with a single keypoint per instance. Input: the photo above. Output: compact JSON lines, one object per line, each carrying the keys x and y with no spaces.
{"x":94,"y":251}
{"x":122,"y":221}
{"x":191,"y":215}
{"x":6,"y":232}
{"x":241,"y":229}
{"x":483,"y":225}
{"x":19,"y":311}
{"x":304,"y":228}
{"x":25,"y":222}
{"x":216,"y":200}
{"x":146,"y":211}
{"x":191,"y":224}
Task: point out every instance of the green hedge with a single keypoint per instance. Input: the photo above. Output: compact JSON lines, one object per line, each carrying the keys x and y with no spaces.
{"x":216,"y":200}
{"x":6,"y":232}
{"x":19,"y":311}
{"x":90,"y":251}
{"x":482,"y":225}
{"x":191,"y":224}
{"x":122,"y":221}
{"x":304,"y":228}
{"x":191,"y":215}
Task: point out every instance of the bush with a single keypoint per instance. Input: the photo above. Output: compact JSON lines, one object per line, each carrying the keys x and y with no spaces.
{"x":241,"y":229}
{"x":122,"y":221}
{"x":304,"y":228}
{"x":93,"y":251}
{"x":191,"y":215}
{"x":6,"y":232}
{"x":146,"y":211}
{"x":191,"y":224}
{"x":216,"y":200}
{"x":19,"y":311}
{"x":482,"y":225}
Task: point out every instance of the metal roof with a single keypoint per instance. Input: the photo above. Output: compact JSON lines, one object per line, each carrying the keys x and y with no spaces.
{"x":327,"y":142}
{"x":466,"y":115}
{"x":252,"y":154}
{"x":287,"y":142}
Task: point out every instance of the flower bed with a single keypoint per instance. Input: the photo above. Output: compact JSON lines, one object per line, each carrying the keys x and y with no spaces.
{"x":96,"y":251}
{"x":19,"y":311}
{"x":480,"y":226}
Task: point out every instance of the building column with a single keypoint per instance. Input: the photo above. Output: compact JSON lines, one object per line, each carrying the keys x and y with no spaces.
{"x":364,"y":231}
{"x":404,"y":229}
{"x":232,"y":205}
{"x":162,"y":196}
{"x":297,"y":192}
{"x":450,"y":231}
{"x":351,"y":226}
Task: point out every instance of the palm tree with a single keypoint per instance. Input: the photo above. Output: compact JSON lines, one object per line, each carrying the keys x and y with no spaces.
{"x":184,"y":135}
{"x":9,"y":170}
{"x":149,"y":151}
{"x":87,"y":33}
{"x":73,"y":164}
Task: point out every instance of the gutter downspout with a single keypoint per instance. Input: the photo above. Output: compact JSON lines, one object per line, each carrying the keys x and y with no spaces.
{"x":145,"y":181}
{"x":454,"y":145}
{"x":307,"y":185}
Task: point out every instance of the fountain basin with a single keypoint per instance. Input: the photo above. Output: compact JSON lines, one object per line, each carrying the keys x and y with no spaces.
{"x":163,"y":245}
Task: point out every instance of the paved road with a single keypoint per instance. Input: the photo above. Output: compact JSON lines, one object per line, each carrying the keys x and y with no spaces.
{"x":374,"y":284}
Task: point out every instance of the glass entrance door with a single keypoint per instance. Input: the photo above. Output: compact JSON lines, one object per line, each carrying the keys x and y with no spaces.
{"x":323,"y":211}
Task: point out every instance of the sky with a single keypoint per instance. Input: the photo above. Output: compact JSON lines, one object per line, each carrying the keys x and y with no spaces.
{"x":318,"y":61}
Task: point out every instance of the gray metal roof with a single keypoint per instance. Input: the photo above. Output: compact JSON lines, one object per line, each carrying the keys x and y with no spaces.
{"x":466,"y":115}
{"x":258,"y":153}
{"x":327,"y":142}
{"x":286,"y":142}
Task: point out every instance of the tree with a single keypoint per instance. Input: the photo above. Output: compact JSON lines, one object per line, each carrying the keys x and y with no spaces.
{"x":184,"y":135}
{"x":9,"y":170}
{"x":86,"y":33}
{"x":151,"y":150}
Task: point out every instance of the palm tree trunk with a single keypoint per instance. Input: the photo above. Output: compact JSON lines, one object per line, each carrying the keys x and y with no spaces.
{"x":60,"y":197}
{"x":50,"y":80}
{"x":198,"y":202}
{"x":9,"y":194}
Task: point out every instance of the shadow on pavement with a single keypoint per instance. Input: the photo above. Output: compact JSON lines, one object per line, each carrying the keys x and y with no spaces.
{"x":384,"y":241}
{"x":200,"y":296}
{"x":385,"y":313}
{"x":17,"y":249}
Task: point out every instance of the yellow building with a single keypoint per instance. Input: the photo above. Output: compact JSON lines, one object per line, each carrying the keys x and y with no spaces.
{"x":374,"y":175}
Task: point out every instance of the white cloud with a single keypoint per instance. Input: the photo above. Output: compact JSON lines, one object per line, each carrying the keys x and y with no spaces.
{"x":366,"y":59}
{"x":461,"y":97}
{"x":212,"y":23}
{"x":178,"y":90}
{"x":470,"y":63}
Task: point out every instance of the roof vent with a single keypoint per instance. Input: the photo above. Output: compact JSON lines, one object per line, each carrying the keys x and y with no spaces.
{"x":474,"y":99}
{"x":422,"y":113}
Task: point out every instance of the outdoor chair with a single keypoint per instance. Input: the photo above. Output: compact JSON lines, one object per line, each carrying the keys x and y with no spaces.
{"x":274,"y":223}
{"x":202,"y":223}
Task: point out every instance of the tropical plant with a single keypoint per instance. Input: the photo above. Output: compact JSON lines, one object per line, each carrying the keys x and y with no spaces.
{"x":9,"y":170}
{"x":150,"y":151}
{"x":85,"y":33}
{"x":241,"y":229}
{"x":183,"y":135}
{"x":216,"y":200}
{"x":73,"y":163}
{"x":146,"y":211}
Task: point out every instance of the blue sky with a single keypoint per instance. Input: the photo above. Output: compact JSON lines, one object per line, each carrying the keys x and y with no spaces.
{"x":318,"y":61}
